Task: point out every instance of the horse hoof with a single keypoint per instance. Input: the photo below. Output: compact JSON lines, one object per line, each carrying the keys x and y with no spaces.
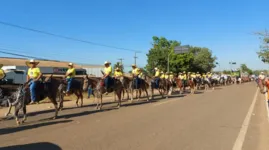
{"x":54,"y":118}
{"x":18,"y":123}
{"x":118,"y":106}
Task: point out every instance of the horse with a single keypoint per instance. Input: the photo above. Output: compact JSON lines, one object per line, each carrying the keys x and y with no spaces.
{"x":76,"y":88}
{"x":116,"y":87}
{"x":152,"y":84}
{"x":126,"y":83}
{"x":46,"y":89}
{"x":189,"y":83}
{"x":143,"y":86}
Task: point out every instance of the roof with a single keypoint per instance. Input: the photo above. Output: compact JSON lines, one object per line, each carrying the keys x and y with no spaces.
{"x":43,"y":63}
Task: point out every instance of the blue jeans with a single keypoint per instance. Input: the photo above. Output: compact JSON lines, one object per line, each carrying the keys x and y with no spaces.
{"x":107,"y":81}
{"x":33,"y":85}
{"x":69,"y":83}
{"x":157,"y":81}
{"x":137,"y":83}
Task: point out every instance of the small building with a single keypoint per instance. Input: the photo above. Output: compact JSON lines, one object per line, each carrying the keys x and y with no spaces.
{"x":16,"y":69}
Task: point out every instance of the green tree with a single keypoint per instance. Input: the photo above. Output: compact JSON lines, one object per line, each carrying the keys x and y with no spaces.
{"x":197,"y":59}
{"x":264,"y":47}
{"x":244,"y":68}
{"x":118,"y":65}
{"x":203,"y":59}
{"x":158,"y":56}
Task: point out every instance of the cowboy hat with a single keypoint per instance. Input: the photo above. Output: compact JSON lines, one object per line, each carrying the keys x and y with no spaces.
{"x":155,"y":68}
{"x":133,"y":65}
{"x":184,"y":71}
{"x":167,"y":73}
{"x":32,"y":61}
{"x":117,"y":68}
{"x":197,"y":72}
{"x":106,"y":62}
{"x":70,"y":64}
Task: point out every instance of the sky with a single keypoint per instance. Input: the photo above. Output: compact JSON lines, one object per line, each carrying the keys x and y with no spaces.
{"x":225,"y":27}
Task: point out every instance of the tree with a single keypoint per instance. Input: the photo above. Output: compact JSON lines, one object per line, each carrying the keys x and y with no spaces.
{"x":203,"y":59}
{"x":244,"y":68}
{"x":119,"y":65}
{"x":197,"y":59}
{"x":264,"y":47}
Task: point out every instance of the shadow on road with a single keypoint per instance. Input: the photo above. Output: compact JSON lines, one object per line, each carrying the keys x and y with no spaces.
{"x":33,"y":146}
{"x":27,"y":127}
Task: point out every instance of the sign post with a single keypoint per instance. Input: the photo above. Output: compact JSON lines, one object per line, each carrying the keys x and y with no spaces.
{"x":178,"y":50}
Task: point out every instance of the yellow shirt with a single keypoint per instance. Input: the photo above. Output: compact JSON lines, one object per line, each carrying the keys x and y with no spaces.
{"x":2,"y":74}
{"x":193,"y":75}
{"x":108,"y":70}
{"x":71,"y":71}
{"x":166,"y":76}
{"x":157,"y":73}
{"x":140,"y":75}
{"x":171,"y":76}
{"x":184,"y":77}
{"x":33,"y":72}
{"x":162,"y":76}
{"x":117,"y":74}
{"x":204,"y":75}
{"x":209,"y":75}
{"x":135,"y":71}
{"x":198,"y":75}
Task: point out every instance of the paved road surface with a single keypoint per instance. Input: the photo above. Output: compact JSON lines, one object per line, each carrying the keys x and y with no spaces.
{"x":205,"y":121}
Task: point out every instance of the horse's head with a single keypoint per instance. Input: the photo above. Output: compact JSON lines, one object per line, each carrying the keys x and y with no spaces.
{"x":85,"y":83}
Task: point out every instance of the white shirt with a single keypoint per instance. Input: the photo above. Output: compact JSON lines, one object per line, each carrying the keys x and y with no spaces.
{"x":261,"y":76}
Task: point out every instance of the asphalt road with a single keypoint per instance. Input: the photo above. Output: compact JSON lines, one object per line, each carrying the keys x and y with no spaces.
{"x":206,"y":121}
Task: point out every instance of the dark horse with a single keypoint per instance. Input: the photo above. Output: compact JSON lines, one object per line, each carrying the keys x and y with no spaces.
{"x":116,"y":87}
{"x":143,"y":86}
{"x":76,"y":88}
{"x":48,"y":88}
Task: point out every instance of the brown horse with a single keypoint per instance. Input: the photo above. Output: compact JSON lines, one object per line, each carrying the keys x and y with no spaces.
{"x":46,"y":89}
{"x":190,"y":83}
{"x":142,"y":87}
{"x":100,"y":90}
{"x":76,"y":88}
{"x":152,"y":84}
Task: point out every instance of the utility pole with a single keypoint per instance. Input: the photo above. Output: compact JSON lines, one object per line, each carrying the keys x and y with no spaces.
{"x":135,"y":58}
{"x":121,"y":59}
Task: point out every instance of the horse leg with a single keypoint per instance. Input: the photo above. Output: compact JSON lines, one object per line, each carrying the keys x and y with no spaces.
{"x":132,"y":92}
{"x":146,"y":91}
{"x":81,"y":98}
{"x":61,"y":102}
{"x":119,"y":97}
{"x":139,"y":96}
{"x":9,"y":109}
{"x":101,"y":102}
{"x":152,"y":93}
{"x":24,"y":114}
{"x":77,"y":98}
{"x":16,"y":115}
{"x":55,"y":106}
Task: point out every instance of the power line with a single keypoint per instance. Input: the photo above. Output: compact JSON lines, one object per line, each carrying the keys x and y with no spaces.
{"x":65,"y":37}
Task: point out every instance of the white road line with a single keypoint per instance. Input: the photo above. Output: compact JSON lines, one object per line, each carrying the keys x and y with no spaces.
{"x":242,"y":134}
{"x":266,"y":105}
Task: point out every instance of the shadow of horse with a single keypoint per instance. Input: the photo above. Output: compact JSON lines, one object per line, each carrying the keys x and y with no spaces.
{"x":28,"y":127}
{"x":33,"y":146}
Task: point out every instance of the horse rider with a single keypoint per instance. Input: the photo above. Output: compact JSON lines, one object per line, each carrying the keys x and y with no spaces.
{"x":204,"y":76}
{"x":157,"y":77}
{"x":193,"y":75}
{"x":162,"y":75}
{"x":107,"y":75}
{"x":118,"y":73}
{"x":198,"y":75}
{"x":135,"y":73}
{"x":184,"y":78}
{"x":171,"y":77}
{"x":2,"y":73}
{"x":33,"y":76}
{"x":69,"y":76}
{"x":261,"y":77}
{"x":140,"y":73}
